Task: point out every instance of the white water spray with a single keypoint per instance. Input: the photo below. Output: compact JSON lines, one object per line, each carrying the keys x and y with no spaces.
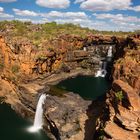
{"x":102,"y":71}
{"x":109,"y":53}
{"x":38,"y":121}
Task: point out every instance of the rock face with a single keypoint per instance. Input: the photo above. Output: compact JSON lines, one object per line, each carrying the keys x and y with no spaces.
{"x":19,"y":55}
{"x":71,"y":117}
{"x":68,"y":116}
{"x":123,"y":100}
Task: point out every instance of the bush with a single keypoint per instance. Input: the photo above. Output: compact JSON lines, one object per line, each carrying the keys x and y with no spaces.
{"x":15,"y":69}
{"x":1,"y":65}
{"x":119,"y":95}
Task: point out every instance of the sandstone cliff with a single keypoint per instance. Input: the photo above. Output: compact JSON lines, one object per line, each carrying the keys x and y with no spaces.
{"x":123,"y":101}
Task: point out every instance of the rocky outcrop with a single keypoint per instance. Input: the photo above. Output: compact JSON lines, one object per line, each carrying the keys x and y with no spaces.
{"x":123,"y":100}
{"x":68,"y":117}
{"x":127,"y":69}
{"x":124,"y":112}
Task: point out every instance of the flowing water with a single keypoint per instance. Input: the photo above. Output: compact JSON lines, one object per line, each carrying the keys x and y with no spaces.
{"x":38,"y":121}
{"x":103,"y":65}
{"x":109,"y":53}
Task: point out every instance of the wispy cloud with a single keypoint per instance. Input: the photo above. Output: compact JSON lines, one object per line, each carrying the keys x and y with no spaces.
{"x":1,"y":9}
{"x":118,"y":18}
{"x":122,"y":22}
{"x":24,"y":12}
{"x":107,"y":5}
{"x":54,"y":3}
{"x":135,"y":8}
{"x":69,"y":15}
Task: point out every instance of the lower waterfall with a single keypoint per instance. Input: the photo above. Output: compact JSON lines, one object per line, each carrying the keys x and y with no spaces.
{"x":38,"y":121}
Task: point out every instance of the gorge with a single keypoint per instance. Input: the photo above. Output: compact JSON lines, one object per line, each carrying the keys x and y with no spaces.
{"x":68,"y":64}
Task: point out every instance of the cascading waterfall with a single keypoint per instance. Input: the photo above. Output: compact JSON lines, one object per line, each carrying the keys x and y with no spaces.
{"x":38,"y":121}
{"x":102,"y":71}
{"x":109,"y":53}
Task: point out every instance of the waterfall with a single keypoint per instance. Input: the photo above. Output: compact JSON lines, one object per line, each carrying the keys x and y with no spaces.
{"x":102,"y":71}
{"x":103,"y":66}
{"x":109,"y":53}
{"x":85,"y":49}
{"x":38,"y":121}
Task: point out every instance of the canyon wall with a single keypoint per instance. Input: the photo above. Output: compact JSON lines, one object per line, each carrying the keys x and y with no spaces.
{"x":121,"y":118}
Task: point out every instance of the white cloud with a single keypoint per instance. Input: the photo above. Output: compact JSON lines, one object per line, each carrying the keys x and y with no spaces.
{"x":107,"y":5}
{"x":23,"y":19}
{"x":135,"y":8}
{"x":120,"y":21}
{"x":1,"y":9}
{"x":69,"y":15}
{"x":104,"y":5}
{"x":5,"y":16}
{"x":24,"y":12}
{"x":8,"y":0}
{"x":53,"y":3}
{"x":118,"y":18}
{"x":79,"y":1}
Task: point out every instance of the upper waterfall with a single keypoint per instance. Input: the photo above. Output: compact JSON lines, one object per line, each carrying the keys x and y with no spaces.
{"x":109,"y":53}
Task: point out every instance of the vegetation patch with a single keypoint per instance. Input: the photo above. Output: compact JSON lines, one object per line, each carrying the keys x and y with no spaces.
{"x":56,"y":91}
{"x":1,"y":65}
{"x":15,"y":69}
{"x":119,"y":96}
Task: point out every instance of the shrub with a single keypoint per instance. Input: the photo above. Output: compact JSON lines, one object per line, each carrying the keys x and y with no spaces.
{"x":15,"y":69}
{"x":1,"y":65}
{"x":119,"y":95}
{"x":57,"y":91}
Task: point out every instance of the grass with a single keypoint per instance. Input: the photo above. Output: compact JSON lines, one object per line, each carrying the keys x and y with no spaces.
{"x":39,"y":32}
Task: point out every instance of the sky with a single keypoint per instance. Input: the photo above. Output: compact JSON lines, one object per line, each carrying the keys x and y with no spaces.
{"x":109,"y":15}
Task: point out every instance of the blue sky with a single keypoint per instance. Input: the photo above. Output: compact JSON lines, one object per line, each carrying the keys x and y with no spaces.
{"x":115,"y":15}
